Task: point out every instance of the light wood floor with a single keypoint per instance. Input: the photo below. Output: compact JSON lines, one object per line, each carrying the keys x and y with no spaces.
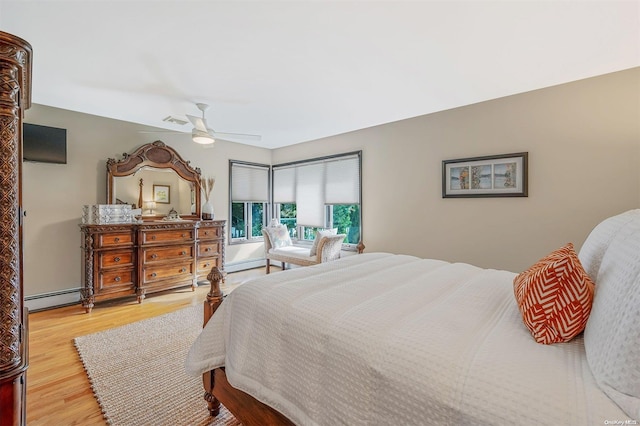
{"x":58,"y":391}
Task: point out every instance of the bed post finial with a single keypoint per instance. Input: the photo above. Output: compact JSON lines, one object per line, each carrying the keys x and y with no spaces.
{"x":215,"y":295}
{"x":211,"y":303}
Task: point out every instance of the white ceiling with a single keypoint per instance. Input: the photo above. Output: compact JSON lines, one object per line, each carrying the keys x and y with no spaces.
{"x":300,"y":70}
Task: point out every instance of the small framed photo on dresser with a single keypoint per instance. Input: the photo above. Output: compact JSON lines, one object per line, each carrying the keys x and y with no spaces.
{"x":161,"y":194}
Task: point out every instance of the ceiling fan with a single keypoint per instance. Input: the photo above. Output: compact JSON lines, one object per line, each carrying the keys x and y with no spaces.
{"x":204,"y":135}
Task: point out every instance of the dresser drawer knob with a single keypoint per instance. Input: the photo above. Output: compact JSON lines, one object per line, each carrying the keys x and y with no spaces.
{"x":117,"y":259}
{"x":154,"y":255}
{"x":184,"y":235}
{"x":207,"y":249}
{"x":182,"y":253}
{"x":153,"y":237}
{"x":206,"y":265}
{"x":117,"y":279}
{"x":116,"y":239}
{"x":183,"y":270}
{"x":153,"y":275}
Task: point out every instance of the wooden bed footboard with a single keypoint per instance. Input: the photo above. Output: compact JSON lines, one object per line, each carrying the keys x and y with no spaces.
{"x":243,"y":406}
{"x":217,"y":389}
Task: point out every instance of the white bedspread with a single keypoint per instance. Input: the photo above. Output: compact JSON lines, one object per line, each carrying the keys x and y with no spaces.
{"x":380,"y":339}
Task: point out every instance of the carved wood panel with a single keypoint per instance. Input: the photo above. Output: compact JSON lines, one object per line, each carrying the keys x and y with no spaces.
{"x":15,"y":97}
{"x":15,"y":81}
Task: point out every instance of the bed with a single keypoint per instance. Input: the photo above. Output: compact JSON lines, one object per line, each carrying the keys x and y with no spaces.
{"x":385,"y":339}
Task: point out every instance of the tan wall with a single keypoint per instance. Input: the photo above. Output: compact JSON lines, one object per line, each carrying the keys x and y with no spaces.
{"x":53,"y":194}
{"x":583,"y":140}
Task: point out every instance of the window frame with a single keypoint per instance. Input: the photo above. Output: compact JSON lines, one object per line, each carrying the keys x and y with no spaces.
{"x":272,"y":210}
{"x":329,"y":212}
{"x":248,"y":206}
{"x":300,"y":229}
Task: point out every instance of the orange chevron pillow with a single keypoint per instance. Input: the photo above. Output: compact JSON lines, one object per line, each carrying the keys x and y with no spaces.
{"x":555,"y":296}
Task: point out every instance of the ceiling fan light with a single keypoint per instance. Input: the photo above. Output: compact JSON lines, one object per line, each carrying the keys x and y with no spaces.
{"x":202,"y":138}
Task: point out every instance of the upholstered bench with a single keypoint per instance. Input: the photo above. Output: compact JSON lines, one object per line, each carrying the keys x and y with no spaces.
{"x":328,"y":248}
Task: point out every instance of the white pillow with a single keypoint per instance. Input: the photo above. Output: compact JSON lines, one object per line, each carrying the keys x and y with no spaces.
{"x":279,"y":236}
{"x":612,"y":335}
{"x":319,"y":234}
{"x":598,"y":241}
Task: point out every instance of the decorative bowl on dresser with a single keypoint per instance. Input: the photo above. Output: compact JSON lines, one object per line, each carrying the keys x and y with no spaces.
{"x":158,"y":252}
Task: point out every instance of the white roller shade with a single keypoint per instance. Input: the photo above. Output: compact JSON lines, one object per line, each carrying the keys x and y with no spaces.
{"x":249,"y":183}
{"x":314,"y":184}
{"x":342,"y":179}
{"x":310,"y":195}
{"x":284,"y":185}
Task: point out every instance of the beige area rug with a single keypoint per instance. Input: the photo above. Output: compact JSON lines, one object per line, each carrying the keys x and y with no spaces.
{"x":137,"y":372}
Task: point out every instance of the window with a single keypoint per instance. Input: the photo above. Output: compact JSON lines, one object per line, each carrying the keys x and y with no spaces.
{"x":288,"y":216}
{"x":244,"y":216}
{"x":249,"y":193}
{"x":344,"y":217}
{"x":320,"y":193}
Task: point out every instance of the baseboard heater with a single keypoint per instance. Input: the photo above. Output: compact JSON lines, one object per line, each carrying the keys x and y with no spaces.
{"x":71,"y":296}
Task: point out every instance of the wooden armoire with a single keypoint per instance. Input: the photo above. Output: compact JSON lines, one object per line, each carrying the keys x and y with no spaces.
{"x":15,"y":98}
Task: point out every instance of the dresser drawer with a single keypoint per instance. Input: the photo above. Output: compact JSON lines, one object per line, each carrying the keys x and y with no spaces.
{"x":115,"y":258}
{"x":209,"y":233}
{"x":159,"y":254}
{"x":207,"y":249}
{"x":155,"y":273}
{"x":205,"y":264}
{"x":177,"y":235}
{"x":114,"y":239}
{"x":115,"y":280}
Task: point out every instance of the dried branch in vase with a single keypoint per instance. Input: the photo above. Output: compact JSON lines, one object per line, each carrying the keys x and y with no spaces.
{"x":207,"y":186}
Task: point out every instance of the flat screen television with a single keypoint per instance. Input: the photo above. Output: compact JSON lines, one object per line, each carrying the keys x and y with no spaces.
{"x":44,"y":144}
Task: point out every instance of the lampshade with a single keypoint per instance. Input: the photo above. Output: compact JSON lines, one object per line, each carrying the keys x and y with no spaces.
{"x":150,"y":205}
{"x":201,"y":137}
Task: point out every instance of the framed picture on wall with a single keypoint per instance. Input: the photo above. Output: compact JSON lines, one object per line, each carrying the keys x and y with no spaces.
{"x":491,"y":176}
{"x":161,"y":193}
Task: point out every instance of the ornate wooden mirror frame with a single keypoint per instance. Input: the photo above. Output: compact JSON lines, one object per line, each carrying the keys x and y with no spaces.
{"x":156,"y":155}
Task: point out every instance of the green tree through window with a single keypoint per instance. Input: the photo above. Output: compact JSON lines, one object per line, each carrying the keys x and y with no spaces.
{"x":347,"y":219}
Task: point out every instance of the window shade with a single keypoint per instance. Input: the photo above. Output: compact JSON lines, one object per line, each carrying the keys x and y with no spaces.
{"x":314,"y":184}
{"x":249,"y":183}
{"x":284,"y":185}
{"x":342,"y":179}
{"x":310,"y":194}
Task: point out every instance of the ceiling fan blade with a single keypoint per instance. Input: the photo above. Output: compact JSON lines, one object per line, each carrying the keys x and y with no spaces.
{"x":198,"y":123}
{"x":160,"y":131}
{"x":236,"y":136}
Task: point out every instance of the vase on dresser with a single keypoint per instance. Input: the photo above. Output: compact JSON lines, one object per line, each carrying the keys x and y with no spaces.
{"x":207,"y":211}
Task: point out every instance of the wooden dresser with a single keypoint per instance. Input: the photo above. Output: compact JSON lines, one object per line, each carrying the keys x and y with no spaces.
{"x":124,"y":260}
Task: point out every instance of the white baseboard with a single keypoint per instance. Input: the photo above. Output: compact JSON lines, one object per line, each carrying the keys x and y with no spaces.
{"x":55,"y":299}
{"x":244,"y":265}
{"x":39,"y":302}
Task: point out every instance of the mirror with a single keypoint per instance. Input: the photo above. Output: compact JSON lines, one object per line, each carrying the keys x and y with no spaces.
{"x":156,"y":179}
